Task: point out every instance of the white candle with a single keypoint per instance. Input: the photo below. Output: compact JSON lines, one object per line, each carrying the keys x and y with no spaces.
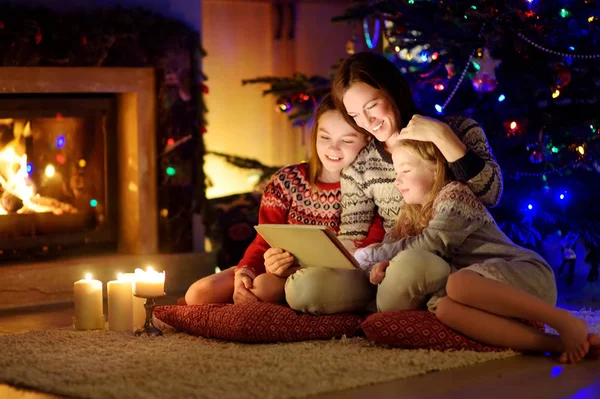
{"x":120,"y":305}
{"x":88,"y":304}
{"x":149,"y":283}
{"x":139,"y":312}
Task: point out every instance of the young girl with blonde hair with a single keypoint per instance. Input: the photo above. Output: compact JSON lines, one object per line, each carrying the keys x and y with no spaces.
{"x":495,"y":280}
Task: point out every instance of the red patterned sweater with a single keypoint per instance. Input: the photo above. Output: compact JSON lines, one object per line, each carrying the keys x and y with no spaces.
{"x":289,"y":199}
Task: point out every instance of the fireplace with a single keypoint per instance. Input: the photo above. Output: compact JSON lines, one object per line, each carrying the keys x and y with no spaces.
{"x":77,"y":162}
{"x":57,"y":181}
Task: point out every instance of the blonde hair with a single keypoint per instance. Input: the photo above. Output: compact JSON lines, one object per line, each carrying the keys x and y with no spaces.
{"x":415,"y":217}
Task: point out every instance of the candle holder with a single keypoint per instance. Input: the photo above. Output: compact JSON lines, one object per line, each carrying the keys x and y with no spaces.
{"x":149,"y":329}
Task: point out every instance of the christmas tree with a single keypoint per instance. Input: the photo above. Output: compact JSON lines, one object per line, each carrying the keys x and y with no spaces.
{"x":528,"y":71}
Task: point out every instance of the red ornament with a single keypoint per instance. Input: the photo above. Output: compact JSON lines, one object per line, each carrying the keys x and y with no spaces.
{"x":84,"y":40}
{"x":202,"y":129}
{"x":536,"y":157}
{"x":170,"y":141}
{"x":562,"y":75}
{"x":38,"y":36}
{"x":204,"y":88}
{"x":484,"y":83}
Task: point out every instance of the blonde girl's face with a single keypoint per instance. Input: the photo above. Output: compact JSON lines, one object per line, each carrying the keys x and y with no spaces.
{"x":414,"y":176}
{"x":338,"y":144}
{"x":370,"y":110}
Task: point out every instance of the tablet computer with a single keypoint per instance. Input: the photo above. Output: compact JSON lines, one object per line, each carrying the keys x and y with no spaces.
{"x":312,"y":246}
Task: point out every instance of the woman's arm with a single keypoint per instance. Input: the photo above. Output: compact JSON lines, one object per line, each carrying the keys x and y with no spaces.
{"x":465,"y":146}
{"x":358,"y":207}
{"x":478,"y":167}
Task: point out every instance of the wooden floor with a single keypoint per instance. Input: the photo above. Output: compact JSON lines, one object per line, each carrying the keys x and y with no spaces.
{"x":526,"y":377}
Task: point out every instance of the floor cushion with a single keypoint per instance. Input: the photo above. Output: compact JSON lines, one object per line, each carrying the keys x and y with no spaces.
{"x":420,"y":329}
{"x":256,"y":322}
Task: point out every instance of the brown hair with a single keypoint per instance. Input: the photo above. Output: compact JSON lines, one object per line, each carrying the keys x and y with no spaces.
{"x":381,"y":74}
{"x":415,"y":217}
{"x":315,"y":166}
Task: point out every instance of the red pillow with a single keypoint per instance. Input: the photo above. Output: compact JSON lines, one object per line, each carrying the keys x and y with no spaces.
{"x":420,"y":329}
{"x":256,"y":322}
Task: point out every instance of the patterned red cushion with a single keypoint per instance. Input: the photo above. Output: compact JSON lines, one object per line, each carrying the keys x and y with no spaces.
{"x":256,"y":322}
{"x":420,"y":329}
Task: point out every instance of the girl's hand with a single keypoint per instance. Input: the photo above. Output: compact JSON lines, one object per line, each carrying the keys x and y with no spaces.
{"x":242,"y":284}
{"x":364,"y":256}
{"x":378,"y":272}
{"x":279,"y":262}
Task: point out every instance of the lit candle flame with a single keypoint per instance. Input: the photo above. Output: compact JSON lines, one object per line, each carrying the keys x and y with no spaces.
{"x":120,"y":276}
{"x":149,"y":268}
{"x":88,"y":276}
{"x":50,"y":170}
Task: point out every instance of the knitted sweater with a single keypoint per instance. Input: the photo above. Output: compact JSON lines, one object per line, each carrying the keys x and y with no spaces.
{"x":463,"y":232}
{"x":289,"y":198}
{"x":367,"y":184}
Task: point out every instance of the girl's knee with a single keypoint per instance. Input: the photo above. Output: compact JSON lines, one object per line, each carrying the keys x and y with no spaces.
{"x":411,"y":277}
{"x":458,"y":284}
{"x":328,"y":291}
{"x":216,"y":288}
{"x":302,"y":289}
{"x":418,"y":270}
{"x":268,"y":287}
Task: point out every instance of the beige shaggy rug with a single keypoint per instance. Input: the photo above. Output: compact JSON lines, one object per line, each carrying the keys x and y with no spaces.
{"x":111,"y":365}
{"x":105,"y":364}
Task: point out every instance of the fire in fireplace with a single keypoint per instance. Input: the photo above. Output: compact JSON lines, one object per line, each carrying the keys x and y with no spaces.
{"x":57,"y":172}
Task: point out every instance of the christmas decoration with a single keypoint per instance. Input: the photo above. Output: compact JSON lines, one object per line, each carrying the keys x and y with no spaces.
{"x":284,"y":105}
{"x":484,"y":83}
{"x":371,"y":39}
{"x":350,"y":46}
{"x":486,"y":64}
{"x":562,"y":75}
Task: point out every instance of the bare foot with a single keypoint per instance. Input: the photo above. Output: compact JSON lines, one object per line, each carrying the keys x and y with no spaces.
{"x":574,"y":336}
{"x":594,"y":341}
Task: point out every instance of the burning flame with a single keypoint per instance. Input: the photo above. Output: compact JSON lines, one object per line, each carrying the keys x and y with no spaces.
{"x":14,"y":178}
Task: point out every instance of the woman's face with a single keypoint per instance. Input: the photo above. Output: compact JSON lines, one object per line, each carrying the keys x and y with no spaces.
{"x":370,"y":110}
{"x":338,"y":143}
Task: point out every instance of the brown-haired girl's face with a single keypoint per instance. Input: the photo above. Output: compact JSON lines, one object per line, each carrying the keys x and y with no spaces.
{"x":414,"y":176}
{"x":338,"y":144}
{"x":370,"y":110}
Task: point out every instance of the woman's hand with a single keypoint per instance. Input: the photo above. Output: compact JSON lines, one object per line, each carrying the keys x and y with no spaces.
{"x":378,"y":272}
{"x":423,"y":128}
{"x":242,"y":283}
{"x":279,"y":262}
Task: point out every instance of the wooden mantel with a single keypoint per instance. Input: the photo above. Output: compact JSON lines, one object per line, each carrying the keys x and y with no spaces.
{"x":135,"y":89}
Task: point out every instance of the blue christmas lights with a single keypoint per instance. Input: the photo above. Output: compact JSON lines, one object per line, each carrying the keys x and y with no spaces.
{"x":60,"y":141}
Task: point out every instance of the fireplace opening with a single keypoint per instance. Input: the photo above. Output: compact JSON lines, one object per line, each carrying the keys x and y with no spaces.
{"x":58,"y":175}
